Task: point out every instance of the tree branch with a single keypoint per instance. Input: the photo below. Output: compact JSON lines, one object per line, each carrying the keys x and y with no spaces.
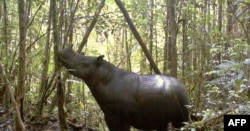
{"x":137,"y":36}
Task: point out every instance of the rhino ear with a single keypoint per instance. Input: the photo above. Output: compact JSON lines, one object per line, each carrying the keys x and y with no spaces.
{"x":99,"y":59}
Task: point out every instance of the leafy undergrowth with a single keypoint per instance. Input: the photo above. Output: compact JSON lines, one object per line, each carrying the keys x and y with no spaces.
{"x":51,"y":123}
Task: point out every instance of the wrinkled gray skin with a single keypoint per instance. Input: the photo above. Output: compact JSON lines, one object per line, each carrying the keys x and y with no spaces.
{"x":127,"y":99}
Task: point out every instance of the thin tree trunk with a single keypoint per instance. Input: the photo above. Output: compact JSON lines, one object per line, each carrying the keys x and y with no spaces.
{"x":19,"y":121}
{"x":220,"y":16}
{"x":172,"y":57}
{"x":128,"y":52}
{"x":69,"y":38}
{"x":229,"y":27}
{"x":151,"y":33}
{"x":60,"y":103}
{"x":165,"y":62}
{"x":185,"y":49}
{"x":22,"y":55}
{"x":60,"y":92}
{"x":44,"y":81}
{"x":248,"y":32}
{"x":6,"y":32}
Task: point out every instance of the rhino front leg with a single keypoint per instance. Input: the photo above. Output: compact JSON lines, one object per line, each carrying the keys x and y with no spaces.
{"x":115,"y":123}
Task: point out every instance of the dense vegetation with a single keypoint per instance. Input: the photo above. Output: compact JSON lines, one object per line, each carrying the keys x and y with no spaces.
{"x":205,"y":44}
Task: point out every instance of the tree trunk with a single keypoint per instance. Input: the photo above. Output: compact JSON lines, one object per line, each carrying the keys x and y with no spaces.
{"x":22,"y":54}
{"x":229,"y":27}
{"x":59,"y":87}
{"x":44,"y":81}
{"x":172,"y":28}
{"x":166,"y":62}
{"x":220,"y":18}
{"x":19,"y":121}
{"x":128,"y":52}
{"x":60,"y":103}
{"x":151,"y":33}
{"x":185,"y":50}
{"x":248,"y":32}
{"x":5,"y":35}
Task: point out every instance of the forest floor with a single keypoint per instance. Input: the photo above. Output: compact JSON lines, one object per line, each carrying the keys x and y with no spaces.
{"x":44,"y":124}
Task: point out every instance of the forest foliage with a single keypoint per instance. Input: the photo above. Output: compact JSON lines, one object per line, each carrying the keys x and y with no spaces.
{"x":205,"y":44}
